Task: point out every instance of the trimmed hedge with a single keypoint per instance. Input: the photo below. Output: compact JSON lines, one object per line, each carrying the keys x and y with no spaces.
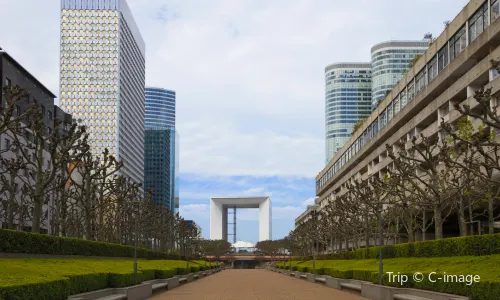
{"x":13,"y":241}
{"x":61,"y":289}
{"x":483,"y":290}
{"x":66,"y":280}
{"x":476,"y":245}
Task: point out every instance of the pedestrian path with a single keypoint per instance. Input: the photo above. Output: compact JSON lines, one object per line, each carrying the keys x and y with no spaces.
{"x":253,"y":284}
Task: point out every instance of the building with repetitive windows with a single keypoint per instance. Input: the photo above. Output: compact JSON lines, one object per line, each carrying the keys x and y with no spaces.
{"x":13,"y":74}
{"x":347,"y":101}
{"x":161,"y":148}
{"x":160,"y":107}
{"x":390,"y":60}
{"x":161,"y":166}
{"x":102,"y":77}
{"x":449,"y":72}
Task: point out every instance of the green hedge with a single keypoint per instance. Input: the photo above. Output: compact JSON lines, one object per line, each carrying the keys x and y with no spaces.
{"x":13,"y":241}
{"x":61,"y":289}
{"x":483,"y":290}
{"x":476,"y":245}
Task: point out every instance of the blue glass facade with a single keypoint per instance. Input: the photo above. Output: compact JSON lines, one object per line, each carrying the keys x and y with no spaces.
{"x":160,"y":108}
{"x":347,"y":101}
{"x":161,"y":166}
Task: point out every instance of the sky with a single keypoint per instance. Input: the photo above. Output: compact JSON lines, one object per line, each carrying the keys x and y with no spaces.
{"x":249,"y":78}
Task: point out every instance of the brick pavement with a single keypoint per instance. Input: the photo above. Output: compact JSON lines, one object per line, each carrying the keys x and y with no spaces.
{"x":253,"y":284}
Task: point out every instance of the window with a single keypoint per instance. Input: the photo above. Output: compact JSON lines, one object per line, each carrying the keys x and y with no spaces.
{"x":389,"y":112}
{"x":49,"y":114}
{"x":457,"y":43}
{"x":495,"y":9}
{"x":7,"y":144}
{"x":443,"y":58}
{"x":383,"y":119}
{"x":396,"y":106}
{"x":403,"y":98}
{"x":478,"y":23}
{"x":494,"y":74}
{"x":432,"y":68}
{"x":43,"y":110}
{"x":420,"y":81}
{"x":411,"y":91}
{"x":8,"y":83}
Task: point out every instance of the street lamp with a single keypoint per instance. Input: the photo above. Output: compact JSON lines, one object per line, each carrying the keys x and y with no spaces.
{"x":135,"y":239}
{"x":315,"y":216}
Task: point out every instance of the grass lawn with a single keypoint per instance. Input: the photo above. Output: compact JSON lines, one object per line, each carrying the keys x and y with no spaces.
{"x":488,"y":267}
{"x":34,"y":270}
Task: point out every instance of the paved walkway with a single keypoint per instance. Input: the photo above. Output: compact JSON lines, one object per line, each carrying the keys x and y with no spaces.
{"x":253,"y":284}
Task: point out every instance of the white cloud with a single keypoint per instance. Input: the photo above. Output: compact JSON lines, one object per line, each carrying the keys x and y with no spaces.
{"x":195,"y":211}
{"x":287,"y":212}
{"x":253,"y":191}
{"x":248,"y":74}
{"x":309,"y":201}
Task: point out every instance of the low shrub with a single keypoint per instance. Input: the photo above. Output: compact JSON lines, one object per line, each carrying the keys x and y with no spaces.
{"x":30,"y":279}
{"x":476,"y":245}
{"x":13,"y":241}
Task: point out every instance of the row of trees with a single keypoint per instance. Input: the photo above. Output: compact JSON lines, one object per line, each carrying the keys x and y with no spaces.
{"x":52,"y":181}
{"x":427,"y":180}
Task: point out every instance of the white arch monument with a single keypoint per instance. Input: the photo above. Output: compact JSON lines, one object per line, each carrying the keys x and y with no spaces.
{"x":223,"y":222}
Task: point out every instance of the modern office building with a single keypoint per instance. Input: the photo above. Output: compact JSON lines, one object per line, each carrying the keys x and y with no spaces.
{"x":390,"y":61}
{"x":448,"y":73}
{"x":160,"y":108}
{"x":192,"y":224}
{"x":347,"y":101}
{"x":161,"y":148}
{"x":102,"y":77}
{"x":13,"y":74}
{"x":161,"y":166}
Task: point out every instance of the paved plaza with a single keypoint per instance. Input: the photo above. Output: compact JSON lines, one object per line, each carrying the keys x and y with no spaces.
{"x":253,"y":284}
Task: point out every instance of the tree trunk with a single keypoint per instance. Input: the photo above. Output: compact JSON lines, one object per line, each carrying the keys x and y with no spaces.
{"x":471,"y":218}
{"x":39,"y":193}
{"x":438,"y":223}
{"x":491,"y":217}
{"x":367,"y":234}
{"x":461,"y":218}
{"x":411,"y":229}
{"x":12,"y":201}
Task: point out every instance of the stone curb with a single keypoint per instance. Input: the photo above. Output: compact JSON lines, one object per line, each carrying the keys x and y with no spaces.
{"x":368,"y":289}
{"x":145,"y":290}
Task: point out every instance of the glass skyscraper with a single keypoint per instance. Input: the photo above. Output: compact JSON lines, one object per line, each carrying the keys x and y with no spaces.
{"x":160,"y":107}
{"x":161,"y":148}
{"x":161,"y":166}
{"x":390,"y":60}
{"x":103,"y":76}
{"x":347,"y":101}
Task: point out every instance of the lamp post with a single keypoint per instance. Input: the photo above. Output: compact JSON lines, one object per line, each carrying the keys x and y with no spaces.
{"x":315,"y":225}
{"x":380,"y":242}
{"x":135,"y":239}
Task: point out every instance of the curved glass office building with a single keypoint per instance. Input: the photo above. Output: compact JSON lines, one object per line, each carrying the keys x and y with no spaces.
{"x":390,"y":60}
{"x":161,"y":148}
{"x":347,"y":101}
{"x":160,"y":108}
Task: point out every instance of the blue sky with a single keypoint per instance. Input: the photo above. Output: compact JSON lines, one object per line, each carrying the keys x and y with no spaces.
{"x":249,"y":77}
